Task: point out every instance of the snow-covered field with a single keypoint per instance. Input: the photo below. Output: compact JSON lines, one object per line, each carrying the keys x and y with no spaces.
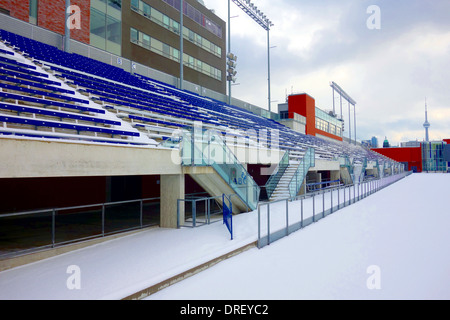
{"x":394,"y":244}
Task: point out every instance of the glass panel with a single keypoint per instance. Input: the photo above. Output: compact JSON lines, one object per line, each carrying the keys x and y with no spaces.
{"x":33,"y":11}
{"x":99,"y":5}
{"x":145,"y":40}
{"x":208,"y":149}
{"x":157,"y":46}
{"x":275,"y":178}
{"x":98,"y":23}
{"x":302,"y":170}
{"x":157,"y":15}
{"x":114,"y":29}
{"x":134,"y":35}
{"x":116,"y":4}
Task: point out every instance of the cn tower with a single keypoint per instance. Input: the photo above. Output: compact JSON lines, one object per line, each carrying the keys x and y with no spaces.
{"x":426,"y":125}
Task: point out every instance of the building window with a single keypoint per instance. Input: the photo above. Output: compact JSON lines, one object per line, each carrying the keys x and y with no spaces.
{"x":106,"y":25}
{"x":163,"y":49}
{"x":197,"y":16}
{"x":161,"y":19}
{"x":33,"y":15}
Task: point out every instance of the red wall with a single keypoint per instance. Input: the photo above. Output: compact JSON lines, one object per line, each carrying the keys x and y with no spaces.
{"x":51,"y":15}
{"x":329,"y":135}
{"x":412,"y":155}
{"x":17,"y":8}
{"x":305,"y":105}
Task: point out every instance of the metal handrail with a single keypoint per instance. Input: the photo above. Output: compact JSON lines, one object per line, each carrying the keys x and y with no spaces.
{"x":23,"y":213}
{"x":304,"y":165}
{"x":275,"y":178}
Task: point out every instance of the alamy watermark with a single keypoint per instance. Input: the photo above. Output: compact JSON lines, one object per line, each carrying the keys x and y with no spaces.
{"x":74,"y":19}
{"x":73,"y":282}
{"x":374,"y":280}
{"x":374,"y":20}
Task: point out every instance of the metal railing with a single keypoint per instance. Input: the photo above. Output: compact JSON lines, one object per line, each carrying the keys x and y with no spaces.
{"x":30,"y":231}
{"x":205,"y":148}
{"x":306,"y":162}
{"x":275,"y":178}
{"x":298,"y":212}
{"x":199,"y":211}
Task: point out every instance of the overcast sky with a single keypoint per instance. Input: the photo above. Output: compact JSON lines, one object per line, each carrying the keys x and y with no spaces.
{"x":388,"y":71}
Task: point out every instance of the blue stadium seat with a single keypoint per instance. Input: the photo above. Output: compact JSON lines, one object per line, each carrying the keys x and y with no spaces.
{"x":62,"y":125}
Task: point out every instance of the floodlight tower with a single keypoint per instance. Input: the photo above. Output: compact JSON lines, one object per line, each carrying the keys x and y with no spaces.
{"x":426,"y":125}
{"x":260,"y":18}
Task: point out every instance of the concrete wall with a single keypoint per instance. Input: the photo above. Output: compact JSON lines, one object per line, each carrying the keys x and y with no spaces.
{"x":325,"y":165}
{"x":37,"y":158}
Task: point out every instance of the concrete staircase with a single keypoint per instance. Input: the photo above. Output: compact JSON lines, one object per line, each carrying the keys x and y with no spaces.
{"x":296,"y":171}
{"x":282,"y":189}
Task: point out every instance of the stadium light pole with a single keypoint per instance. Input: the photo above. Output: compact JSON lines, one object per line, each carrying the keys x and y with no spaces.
{"x":181,"y":44}
{"x":67,"y":28}
{"x":260,"y":18}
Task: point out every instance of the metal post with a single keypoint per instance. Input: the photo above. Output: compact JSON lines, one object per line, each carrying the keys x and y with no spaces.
{"x":67,"y":28}
{"x":229,"y":48}
{"x":323,"y":204}
{"x":181,"y":44}
{"x":259,"y":225}
{"x":208,"y":211}
{"x":141,"y":212}
{"x":103,"y":220}
{"x":354,"y":193}
{"x":354,"y":110}
{"x":194,"y":213}
{"x":268,"y":65}
{"x":334,"y":109}
{"x":339,"y":196}
{"x":331,"y":200}
{"x":178,"y":214}
{"x":349,"y":124}
{"x":301,"y":221}
{"x":314,"y":208}
{"x":344,"y":195}
{"x":268,"y":223}
{"x":53,"y":227}
{"x":349,"y":195}
{"x":359,"y":186}
{"x":287,"y":217}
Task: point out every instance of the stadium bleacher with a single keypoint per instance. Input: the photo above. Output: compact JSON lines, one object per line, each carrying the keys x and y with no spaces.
{"x":69,"y":95}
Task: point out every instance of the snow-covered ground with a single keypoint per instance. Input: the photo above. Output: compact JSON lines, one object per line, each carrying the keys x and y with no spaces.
{"x":394,"y":244}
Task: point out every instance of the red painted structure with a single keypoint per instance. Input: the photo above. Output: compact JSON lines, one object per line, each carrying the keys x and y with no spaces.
{"x":411,"y":155}
{"x":305,"y":105}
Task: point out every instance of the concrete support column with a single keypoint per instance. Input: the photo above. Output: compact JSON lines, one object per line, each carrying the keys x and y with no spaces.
{"x":335,"y":175}
{"x":172,"y":189}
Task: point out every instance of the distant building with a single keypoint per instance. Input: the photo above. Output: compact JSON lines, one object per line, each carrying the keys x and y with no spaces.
{"x":374,"y":142}
{"x":410,"y":144}
{"x":386,"y":143}
{"x":423,"y":156}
